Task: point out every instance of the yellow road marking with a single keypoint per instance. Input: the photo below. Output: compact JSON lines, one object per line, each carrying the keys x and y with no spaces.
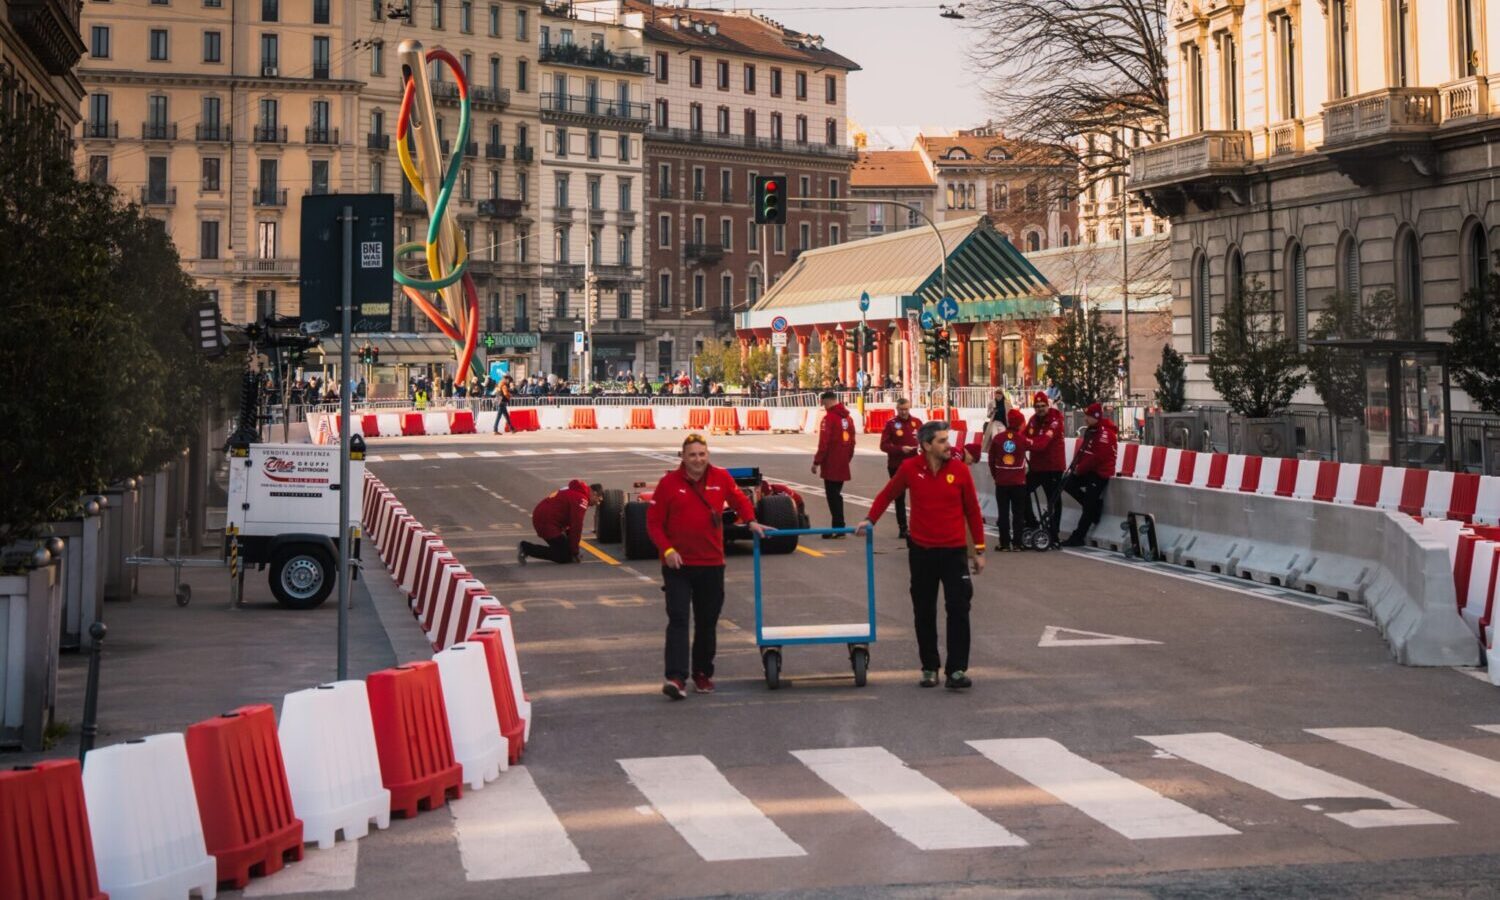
{"x":809,"y":551}
{"x":604,"y":557}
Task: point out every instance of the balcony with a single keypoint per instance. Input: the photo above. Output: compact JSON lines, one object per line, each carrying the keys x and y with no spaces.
{"x":570,"y":273}
{"x":158,"y":131}
{"x":744,"y":142}
{"x":704,"y":253}
{"x":1285,"y":138}
{"x":625,"y":216}
{"x":494,"y":151}
{"x":50,"y":29}
{"x":262,"y":268}
{"x":267,"y":196}
{"x":321,"y":136}
{"x":444,"y":91}
{"x":596,"y":216}
{"x":101,"y":131}
{"x":623,"y":325}
{"x":522,"y":153}
{"x":595,"y":58}
{"x":408,"y":202}
{"x":215,"y":133}
{"x":496,"y":98}
{"x":158,"y":195}
{"x":562,"y":214}
{"x":616,"y":273}
{"x":573,"y":108}
{"x":1382,"y":135}
{"x":1199,"y":168}
{"x":320,"y":73}
{"x":500,"y":208}
{"x":378,"y":141}
{"x":270,"y":134}
{"x":1467,"y":98}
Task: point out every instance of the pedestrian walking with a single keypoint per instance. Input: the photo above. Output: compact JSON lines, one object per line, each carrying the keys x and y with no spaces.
{"x":1046,"y":458}
{"x":686,"y":523}
{"x":943,"y":505}
{"x":1007,"y":458}
{"x":502,"y":409}
{"x":898,"y":441}
{"x":835,"y":452}
{"x":1092,"y":470}
{"x":558,"y":520}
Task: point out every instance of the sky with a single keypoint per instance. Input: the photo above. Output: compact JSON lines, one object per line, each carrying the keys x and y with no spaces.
{"x":915,"y":67}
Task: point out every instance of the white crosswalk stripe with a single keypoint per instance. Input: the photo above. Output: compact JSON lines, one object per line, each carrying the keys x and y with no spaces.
{"x":909,"y":803}
{"x":1494,"y":729}
{"x":1478,"y":773}
{"x":1289,"y":779}
{"x":1124,"y":806}
{"x":334,"y":869}
{"x":508,"y":830}
{"x":710,"y":813}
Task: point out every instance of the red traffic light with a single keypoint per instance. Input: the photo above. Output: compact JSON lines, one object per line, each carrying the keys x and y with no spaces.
{"x":772,"y":186}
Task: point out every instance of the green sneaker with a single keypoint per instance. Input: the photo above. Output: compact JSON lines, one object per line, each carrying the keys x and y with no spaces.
{"x":929,"y":678}
{"x":958,"y":680}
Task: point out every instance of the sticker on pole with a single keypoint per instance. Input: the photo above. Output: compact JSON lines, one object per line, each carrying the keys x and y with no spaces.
{"x":948,"y":309}
{"x":927,"y":320}
{"x":864,"y":301}
{"x":371,"y":254}
{"x":778,"y":340}
{"x":778,"y":325}
{"x":578,"y":342}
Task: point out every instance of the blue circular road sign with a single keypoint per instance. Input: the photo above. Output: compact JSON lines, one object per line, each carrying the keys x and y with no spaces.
{"x":778,"y":324}
{"x":927,"y":320}
{"x":864,"y":301}
{"x":948,"y":308}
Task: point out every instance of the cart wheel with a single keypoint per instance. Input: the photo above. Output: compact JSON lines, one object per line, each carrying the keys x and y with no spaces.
{"x":859,"y":658}
{"x":771,"y":659}
{"x":184,"y":594}
{"x":1041,"y":540}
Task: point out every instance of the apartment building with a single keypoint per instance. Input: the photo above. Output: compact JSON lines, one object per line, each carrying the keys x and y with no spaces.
{"x":1100,"y":217}
{"x":897,"y":176}
{"x":39,"y":48}
{"x":1026,"y":190}
{"x":733,"y":95}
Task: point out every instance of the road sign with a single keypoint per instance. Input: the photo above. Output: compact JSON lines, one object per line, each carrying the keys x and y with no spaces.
{"x":927,"y":320}
{"x":948,"y":308}
{"x":778,"y":325}
{"x":322,"y":260}
{"x":578,"y":342}
{"x":864,"y":301}
{"x":778,"y":340}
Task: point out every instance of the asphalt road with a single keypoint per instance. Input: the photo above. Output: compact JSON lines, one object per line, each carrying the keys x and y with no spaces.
{"x":1180,"y":759}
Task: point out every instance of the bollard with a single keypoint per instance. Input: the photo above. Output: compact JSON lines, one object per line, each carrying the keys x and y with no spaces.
{"x":236,"y":576}
{"x":91,"y":692}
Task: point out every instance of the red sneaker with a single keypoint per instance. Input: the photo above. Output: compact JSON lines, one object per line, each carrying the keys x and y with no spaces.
{"x":675,"y":689}
{"x":703,"y":684}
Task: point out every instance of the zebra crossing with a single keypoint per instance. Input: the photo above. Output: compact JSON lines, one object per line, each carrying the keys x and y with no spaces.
{"x":510,"y":830}
{"x":521,"y":452}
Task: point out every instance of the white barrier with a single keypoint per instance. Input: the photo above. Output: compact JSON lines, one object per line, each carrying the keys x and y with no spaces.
{"x":435,"y":423}
{"x":550,"y":418}
{"x":669,"y":417}
{"x":390,"y":424}
{"x":612,"y":416}
{"x":788,"y":419}
{"x":1479,"y":597}
{"x":332,"y":767}
{"x":143,"y":813}
{"x":472,"y":721}
{"x":503,"y":625}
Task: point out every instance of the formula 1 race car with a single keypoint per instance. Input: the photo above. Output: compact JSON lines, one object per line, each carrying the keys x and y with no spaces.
{"x":621,"y":518}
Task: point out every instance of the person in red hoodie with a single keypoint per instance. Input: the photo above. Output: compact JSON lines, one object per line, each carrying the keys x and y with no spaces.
{"x":686,"y":523}
{"x":943,"y":505}
{"x":835,"y":452}
{"x":558,"y":520}
{"x":898,"y":441}
{"x":1047,"y":457}
{"x":1092,"y":470}
{"x":1008,"y":468}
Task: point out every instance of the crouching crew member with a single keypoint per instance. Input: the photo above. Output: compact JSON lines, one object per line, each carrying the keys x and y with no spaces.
{"x":558,"y":520}
{"x":686,"y":522}
{"x":1008,"y":468}
{"x":898,"y":441}
{"x":1094,"y":468}
{"x":943,"y":504}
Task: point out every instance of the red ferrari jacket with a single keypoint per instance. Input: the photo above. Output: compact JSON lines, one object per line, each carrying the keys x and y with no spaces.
{"x":688,"y":516}
{"x":1044,"y":434}
{"x":1008,"y":458}
{"x":896,"y":437}
{"x":560,"y":514}
{"x":942,"y":503}
{"x":1096,"y":455}
{"x":835,"y":444}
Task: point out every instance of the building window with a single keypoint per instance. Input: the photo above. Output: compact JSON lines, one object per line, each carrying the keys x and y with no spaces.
{"x":213,"y":44}
{"x":776,"y":127}
{"x":560,"y":189}
{"x":698,"y":181}
{"x":750,"y":132}
{"x":775,"y":82}
{"x":1202,"y":337}
{"x":723,"y":118}
{"x":158,"y":44}
{"x":726,"y":290}
{"x":562,"y":240}
{"x":749,"y":78}
{"x":624,"y":145}
{"x":522,"y":33}
{"x":1402,"y":51}
{"x":1338,"y":37}
{"x":778,"y":238}
{"x":830,"y":89}
{"x":99,"y":169}
{"x":699,"y":237}
{"x":699,"y":289}
{"x":695,"y":71}
{"x":593,"y":145}
{"x":1033,"y":242}
{"x":626,"y":192}
{"x":1192,"y":63}
{"x":1468,"y":38}
{"x":1476,"y":258}
{"x":269,"y":54}
{"x":1229,"y":80}
{"x":208,"y":239}
{"x":265,"y":240}
{"x":722,"y":68}
{"x":1296,"y":290}
{"x":726,"y":233}
{"x":560,"y":138}
{"x":831,"y":132}
{"x":321,"y":10}
{"x":726,"y":191}
{"x":320,"y":64}
{"x":1349,"y":276}
{"x":801,"y":129}
{"x":1234,"y":277}
{"x":664,"y":181}
{"x":437,"y":14}
{"x":695,"y":116}
{"x":626,"y":246}
{"x":804,"y":236}
{"x":752,"y":237}
{"x":466,"y":17}
{"x":875,"y":218}
{"x":752,"y":287}
{"x":523,"y":75}
{"x":664,"y":230}
{"x":1286,"y":63}
{"x":1409,"y":279}
{"x":801,"y":85}
{"x":664,"y":291}
{"x":662,"y":61}
{"x":377,"y":177}
{"x":269,"y":10}
{"x":210,"y":166}
{"x":494,"y":20}
{"x":99,"y":42}
{"x":265,"y":303}
{"x":661,"y":112}
{"x":1000,"y":197}
{"x":595,"y":199}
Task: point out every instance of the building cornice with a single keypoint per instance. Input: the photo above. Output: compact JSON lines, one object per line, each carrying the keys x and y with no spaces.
{"x":92,"y":77}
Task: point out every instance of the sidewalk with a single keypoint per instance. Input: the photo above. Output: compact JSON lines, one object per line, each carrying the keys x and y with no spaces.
{"x":165,"y":667}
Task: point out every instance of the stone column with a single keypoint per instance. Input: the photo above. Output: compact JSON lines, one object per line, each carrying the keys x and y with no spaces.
{"x":962,"y":332}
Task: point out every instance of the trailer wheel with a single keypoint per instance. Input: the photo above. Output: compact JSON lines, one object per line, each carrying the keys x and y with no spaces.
{"x":637,"y":540}
{"x":859,"y":658}
{"x":771,"y":660}
{"x":610,"y":519}
{"x":302,"y":575}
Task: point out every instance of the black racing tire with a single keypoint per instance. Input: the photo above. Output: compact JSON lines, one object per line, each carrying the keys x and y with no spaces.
{"x":777,"y":511}
{"x":771,"y":661}
{"x":803,"y":521}
{"x":637,"y":539}
{"x":301,"y":575}
{"x":859,"y":659}
{"x":609,"y":519}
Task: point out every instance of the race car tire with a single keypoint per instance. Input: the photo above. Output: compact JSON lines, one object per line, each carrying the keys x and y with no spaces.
{"x":637,"y":540}
{"x":777,"y":511}
{"x":610,"y":517}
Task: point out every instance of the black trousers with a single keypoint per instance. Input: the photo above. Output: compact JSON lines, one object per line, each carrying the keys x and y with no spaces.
{"x":559,"y":550}
{"x":948,"y":567}
{"x":835,"y":492}
{"x":1010,"y":512}
{"x":1048,"y":482}
{"x":891,"y":468}
{"x":503,"y":410}
{"x":695,"y":595}
{"x":1088,"y":490}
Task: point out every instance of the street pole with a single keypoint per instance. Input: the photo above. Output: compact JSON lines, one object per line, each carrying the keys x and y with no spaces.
{"x":345,"y":488}
{"x":1125,"y":275}
{"x":588,"y":296}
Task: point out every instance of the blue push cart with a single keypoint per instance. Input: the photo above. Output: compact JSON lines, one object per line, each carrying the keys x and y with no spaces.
{"x":857,"y":636}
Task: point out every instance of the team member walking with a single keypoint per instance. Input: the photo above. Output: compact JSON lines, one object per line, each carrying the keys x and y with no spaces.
{"x":1047,"y":457}
{"x":898,"y":441}
{"x":835,"y":452}
{"x":558,"y":520}
{"x":1095,"y":467}
{"x":943,"y":504}
{"x":1008,"y":469}
{"x":685,"y":521}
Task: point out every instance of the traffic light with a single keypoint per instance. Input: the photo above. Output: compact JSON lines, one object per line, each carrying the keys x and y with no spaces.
{"x":850,"y":341}
{"x":938,"y":347}
{"x":869,"y":340}
{"x":770,"y":200}
{"x":374,"y":356}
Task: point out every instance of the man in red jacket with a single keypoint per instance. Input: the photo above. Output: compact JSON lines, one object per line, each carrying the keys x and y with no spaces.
{"x":558,"y":520}
{"x":1047,"y":456}
{"x":898,"y":441}
{"x":1008,"y":469}
{"x":686,"y":523}
{"x":943,"y":504}
{"x":835,"y":452}
{"x":1092,"y":471}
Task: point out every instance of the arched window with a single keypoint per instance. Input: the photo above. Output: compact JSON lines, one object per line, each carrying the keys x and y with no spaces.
{"x":1067,"y":239}
{"x":1409,"y":280}
{"x":1349,"y":275}
{"x":1296,"y":294}
{"x":1476,"y":261}
{"x":1234,"y":276}
{"x":1202,"y":337}
{"x":1033,"y":242}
